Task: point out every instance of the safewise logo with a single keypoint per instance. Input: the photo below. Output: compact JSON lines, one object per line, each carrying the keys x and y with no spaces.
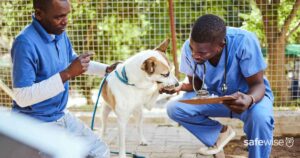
{"x":288,"y":141}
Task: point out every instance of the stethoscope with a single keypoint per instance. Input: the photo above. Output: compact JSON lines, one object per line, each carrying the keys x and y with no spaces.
{"x":202,"y":92}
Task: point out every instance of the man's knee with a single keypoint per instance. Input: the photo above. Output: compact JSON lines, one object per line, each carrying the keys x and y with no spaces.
{"x":172,"y":109}
{"x":176,"y":111}
{"x":259,"y":118}
{"x":179,"y":112}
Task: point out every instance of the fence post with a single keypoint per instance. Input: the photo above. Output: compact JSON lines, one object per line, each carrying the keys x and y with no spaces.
{"x":173,"y":34}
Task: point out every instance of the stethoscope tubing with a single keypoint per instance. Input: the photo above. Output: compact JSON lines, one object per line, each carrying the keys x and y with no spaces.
{"x":224,"y":84}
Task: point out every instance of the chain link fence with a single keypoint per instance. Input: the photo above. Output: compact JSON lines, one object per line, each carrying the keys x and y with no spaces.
{"x":115,"y":30}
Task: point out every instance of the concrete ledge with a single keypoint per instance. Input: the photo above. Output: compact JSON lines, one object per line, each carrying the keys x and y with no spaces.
{"x":286,"y":122}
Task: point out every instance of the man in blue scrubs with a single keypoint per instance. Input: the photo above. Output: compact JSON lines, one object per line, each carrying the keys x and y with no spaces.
{"x":43,"y":62}
{"x":214,"y":46}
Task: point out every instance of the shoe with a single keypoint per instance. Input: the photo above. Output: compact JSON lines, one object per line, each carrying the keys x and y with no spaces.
{"x":223,"y":139}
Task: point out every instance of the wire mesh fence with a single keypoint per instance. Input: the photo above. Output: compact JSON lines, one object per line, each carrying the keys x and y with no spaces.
{"x":115,"y":30}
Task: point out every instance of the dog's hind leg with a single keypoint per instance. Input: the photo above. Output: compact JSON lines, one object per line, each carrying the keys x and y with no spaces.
{"x":138,"y":113}
{"x":104,"y":115}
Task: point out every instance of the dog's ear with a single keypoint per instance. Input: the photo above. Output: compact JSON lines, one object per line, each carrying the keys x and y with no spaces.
{"x":149,"y":65}
{"x":163,"y":46}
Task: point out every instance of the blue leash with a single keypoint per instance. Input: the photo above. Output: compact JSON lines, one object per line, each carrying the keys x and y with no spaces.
{"x":124,"y":80}
{"x":96,"y":104}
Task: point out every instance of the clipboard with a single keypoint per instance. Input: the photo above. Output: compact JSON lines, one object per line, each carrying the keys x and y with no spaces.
{"x":208,"y":100}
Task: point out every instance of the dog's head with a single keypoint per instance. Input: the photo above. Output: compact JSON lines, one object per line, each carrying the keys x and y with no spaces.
{"x":158,"y":68}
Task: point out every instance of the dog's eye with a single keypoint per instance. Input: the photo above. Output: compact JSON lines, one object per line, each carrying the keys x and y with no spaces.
{"x":166,"y":75}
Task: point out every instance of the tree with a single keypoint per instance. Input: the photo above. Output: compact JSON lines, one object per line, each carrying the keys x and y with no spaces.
{"x":277,"y":33}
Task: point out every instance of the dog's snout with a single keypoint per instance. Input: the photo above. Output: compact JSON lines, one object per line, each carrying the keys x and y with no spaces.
{"x":176,"y":84}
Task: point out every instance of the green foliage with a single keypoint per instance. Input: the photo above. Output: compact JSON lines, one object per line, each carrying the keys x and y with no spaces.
{"x":253,"y":21}
{"x":12,"y":20}
{"x":115,"y":30}
{"x":254,"y":24}
{"x":188,"y":12}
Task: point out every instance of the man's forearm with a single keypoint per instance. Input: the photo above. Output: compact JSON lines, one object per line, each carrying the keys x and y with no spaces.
{"x":38,"y":92}
{"x":187,"y":87}
{"x":96,"y":68}
{"x":257,"y":92}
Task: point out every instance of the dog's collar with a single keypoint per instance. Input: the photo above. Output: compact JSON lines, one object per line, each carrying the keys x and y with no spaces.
{"x":123,"y":78}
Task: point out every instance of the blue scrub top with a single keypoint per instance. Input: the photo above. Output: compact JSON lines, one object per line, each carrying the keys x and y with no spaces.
{"x":36,"y":56}
{"x":244,"y":60}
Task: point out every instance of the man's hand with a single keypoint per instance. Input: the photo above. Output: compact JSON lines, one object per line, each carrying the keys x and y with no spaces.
{"x":112,"y":67}
{"x":77,"y":67}
{"x":171,"y":91}
{"x":239,"y":105}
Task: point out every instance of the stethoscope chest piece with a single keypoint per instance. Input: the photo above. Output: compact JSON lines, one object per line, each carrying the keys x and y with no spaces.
{"x":224,"y":88}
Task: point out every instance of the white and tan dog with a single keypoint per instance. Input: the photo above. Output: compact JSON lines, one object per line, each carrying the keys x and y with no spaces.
{"x":133,"y":85}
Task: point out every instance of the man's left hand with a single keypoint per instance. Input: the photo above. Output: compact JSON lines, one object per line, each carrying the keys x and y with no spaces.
{"x":239,"y":105}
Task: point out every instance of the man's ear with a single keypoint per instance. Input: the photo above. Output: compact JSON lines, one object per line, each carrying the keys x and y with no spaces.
{"x":38,"y":14}
{"x":163,"y":46}
{"x":149,"y":65}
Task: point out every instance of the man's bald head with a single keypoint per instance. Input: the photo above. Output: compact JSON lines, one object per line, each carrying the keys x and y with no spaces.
{"x":52,"y":14}
{"x":43,"y":5}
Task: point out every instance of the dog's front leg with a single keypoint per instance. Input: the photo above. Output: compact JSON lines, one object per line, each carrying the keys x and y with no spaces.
{"x":122,"y":133}
{"x":139,"y":124}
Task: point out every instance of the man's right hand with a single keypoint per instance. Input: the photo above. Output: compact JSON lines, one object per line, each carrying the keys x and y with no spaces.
{"x":112,"y":67}
{"x":171,"y":91}
{"x":187,"y":87}
{"x":77,"y":67}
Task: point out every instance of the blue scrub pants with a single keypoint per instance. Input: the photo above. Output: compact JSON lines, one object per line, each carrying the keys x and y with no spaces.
{"x":97,"y":148}
{"x":258,"y":122}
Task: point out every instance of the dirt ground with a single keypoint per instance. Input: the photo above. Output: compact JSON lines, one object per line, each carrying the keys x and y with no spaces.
{"x":237,"y":147}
